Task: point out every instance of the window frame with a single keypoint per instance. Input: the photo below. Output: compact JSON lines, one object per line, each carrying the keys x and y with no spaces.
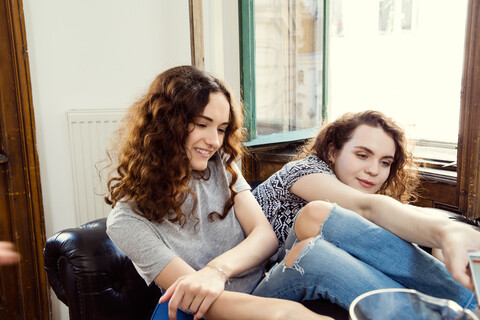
{"x":246,"y":19}
{"x":246,"y":14}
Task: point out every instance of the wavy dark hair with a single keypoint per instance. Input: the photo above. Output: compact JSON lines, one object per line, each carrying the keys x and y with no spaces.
{"x":152,"y":168}
{"x":402,"y":181}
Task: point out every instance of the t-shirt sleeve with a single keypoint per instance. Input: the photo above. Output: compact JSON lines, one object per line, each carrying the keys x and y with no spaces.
{"x":137,"y":238}
{"x":241,"y":184}
{"x":304,"y":167}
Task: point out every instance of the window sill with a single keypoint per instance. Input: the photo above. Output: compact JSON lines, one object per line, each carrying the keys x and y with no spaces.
{"x":280,"y":152}
{"x":282,"y":137}
{"x":437,"y":161}
{"x":438,"y":175}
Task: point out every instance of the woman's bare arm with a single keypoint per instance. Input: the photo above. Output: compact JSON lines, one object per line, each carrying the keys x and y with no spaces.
{"x":260,"y":242}
{"x":197,"y":290}
{"x":431,"y":230}
{"x":236,"y":306}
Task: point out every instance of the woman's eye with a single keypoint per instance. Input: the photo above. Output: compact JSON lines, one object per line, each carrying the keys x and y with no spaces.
{"x":221,"y":130}
{"x":362,"y":155}
{"x":386,"y":163}
{"x":201,"y":125}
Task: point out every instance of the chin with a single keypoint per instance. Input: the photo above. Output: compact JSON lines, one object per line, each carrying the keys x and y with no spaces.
{"x":199,"y":166}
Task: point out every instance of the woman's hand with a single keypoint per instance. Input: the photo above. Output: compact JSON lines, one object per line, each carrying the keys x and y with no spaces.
{"x":198,"y":290}
{"x":456,"y":241}
{"x":8,"y":255}
{"x":195,"y":291}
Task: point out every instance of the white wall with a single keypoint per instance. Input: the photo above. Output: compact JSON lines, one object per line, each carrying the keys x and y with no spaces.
{"x":103,"y":54}
{"x":92,"y":54}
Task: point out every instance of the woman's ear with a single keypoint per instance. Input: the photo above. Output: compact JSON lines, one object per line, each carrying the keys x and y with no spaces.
{"x":331,"y":155}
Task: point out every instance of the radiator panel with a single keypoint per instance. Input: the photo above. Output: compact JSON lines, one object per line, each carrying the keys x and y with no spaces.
{"x":90,"y":134}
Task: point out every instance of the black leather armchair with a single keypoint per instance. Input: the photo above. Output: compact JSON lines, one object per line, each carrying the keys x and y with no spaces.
{"x":94,"y":278}
{"x":97,"y":281}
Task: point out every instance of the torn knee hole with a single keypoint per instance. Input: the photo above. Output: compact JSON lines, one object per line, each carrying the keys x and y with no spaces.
{"x":292,"y":255}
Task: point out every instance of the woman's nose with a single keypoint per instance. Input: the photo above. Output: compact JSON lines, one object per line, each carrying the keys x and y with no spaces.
{"x":372,"y":169}
{"x":213,"y":139}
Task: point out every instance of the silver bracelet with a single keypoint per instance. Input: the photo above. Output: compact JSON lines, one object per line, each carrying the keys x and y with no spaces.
{"x":221,"y":271}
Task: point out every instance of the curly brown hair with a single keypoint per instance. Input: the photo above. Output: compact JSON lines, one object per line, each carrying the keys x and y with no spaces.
{"x":402,"y":181}
{"x":153,"y":169}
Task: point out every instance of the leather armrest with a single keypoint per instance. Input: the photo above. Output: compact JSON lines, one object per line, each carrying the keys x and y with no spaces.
{"x":94,"y":278}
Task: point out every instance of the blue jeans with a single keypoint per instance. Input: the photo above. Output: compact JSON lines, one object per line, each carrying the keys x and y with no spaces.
{"x":351,"y":256}
{"x":161,"y":313}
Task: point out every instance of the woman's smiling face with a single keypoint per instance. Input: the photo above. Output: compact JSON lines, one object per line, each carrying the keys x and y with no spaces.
{"x":364,"y":161}
{"x":208,"y":131}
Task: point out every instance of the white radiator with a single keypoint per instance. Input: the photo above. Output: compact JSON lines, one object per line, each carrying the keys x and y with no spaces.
{"x":90,"y":134}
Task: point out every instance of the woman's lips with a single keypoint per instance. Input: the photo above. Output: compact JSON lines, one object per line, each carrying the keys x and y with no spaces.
{"x":365,"y":183}
{"x":203,"y":152}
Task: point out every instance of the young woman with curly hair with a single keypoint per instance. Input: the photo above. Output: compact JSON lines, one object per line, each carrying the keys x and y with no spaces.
{"x":402,"y":179}
{"x":182,"y":211}
{"x":331,"y":209}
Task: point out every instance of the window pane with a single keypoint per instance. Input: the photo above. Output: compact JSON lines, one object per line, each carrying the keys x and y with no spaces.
{"x":288,"y":65}
{"x":386,"y":16}
{"x":404,"y":57}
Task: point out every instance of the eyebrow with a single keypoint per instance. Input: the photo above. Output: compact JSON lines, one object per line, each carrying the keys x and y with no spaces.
{"x":371,"y":152}
{"x":211,"y":120}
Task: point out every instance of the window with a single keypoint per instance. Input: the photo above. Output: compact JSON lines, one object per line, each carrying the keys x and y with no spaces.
{"x":397,"y":18}
{"x":285,"y":45}
{"x":403,"y":57}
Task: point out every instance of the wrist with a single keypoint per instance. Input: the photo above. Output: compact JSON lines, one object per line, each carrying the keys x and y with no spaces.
{"x":441,"y":234}
{"x":221,"y":271}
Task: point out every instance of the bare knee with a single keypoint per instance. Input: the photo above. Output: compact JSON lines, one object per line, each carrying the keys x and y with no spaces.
{"x":316,"y":211}
{"x":310,"y":219}
{"x":292,"y":255}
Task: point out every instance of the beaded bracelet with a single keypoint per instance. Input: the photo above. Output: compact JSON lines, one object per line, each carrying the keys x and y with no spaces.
{"x":221,"y":271}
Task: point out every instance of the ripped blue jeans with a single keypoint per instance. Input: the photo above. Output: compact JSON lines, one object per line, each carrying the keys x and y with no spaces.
{"x":352,"y":256}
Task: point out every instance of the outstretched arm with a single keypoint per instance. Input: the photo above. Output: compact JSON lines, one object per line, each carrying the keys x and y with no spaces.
{"x":431,"y":230}
{"x":453,"y":238}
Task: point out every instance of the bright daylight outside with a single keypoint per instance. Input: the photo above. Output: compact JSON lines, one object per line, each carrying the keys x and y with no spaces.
{"x":403,"y":57}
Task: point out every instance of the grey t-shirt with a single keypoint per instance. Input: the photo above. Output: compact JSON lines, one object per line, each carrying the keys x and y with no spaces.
{"x":151,"y":245}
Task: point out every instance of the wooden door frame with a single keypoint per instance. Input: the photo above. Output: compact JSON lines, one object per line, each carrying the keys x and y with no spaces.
{"x":25,"y":196}
{"x":468,"y":173}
